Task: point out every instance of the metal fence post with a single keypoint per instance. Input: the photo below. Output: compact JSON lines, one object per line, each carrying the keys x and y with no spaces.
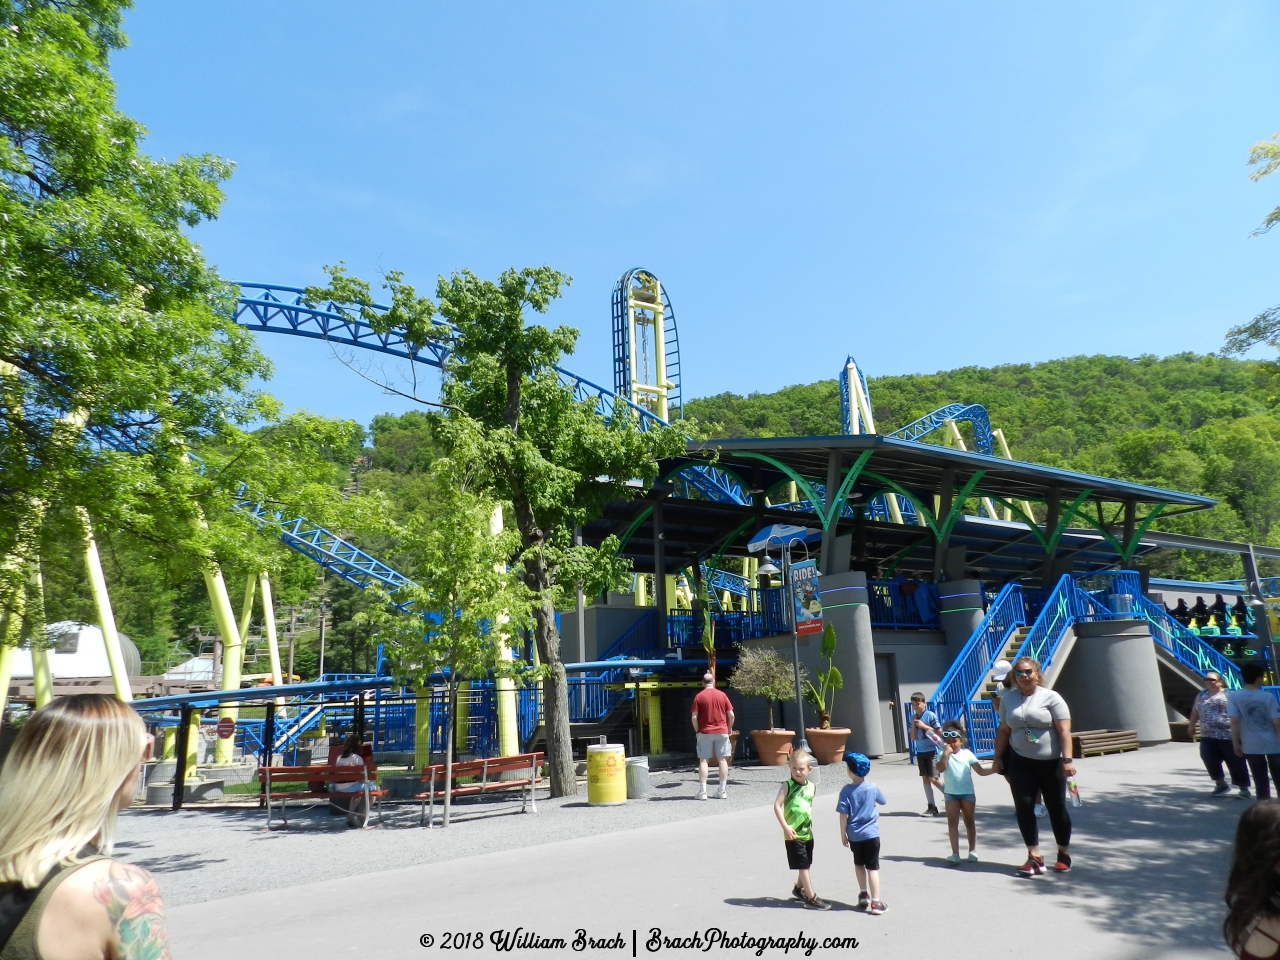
{"x":180,"y":769}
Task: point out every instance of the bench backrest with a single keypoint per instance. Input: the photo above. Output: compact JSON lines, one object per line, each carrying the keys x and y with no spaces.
{"x":318,"y":774}
{"x":484,"y":767}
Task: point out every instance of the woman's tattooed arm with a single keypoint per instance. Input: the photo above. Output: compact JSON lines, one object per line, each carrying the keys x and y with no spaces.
{"x":131,"y":897}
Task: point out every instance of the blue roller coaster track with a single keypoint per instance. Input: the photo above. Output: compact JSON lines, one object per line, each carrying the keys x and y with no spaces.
{"x":270,"y":308}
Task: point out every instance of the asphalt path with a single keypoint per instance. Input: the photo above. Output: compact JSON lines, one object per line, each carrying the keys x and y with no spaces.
{"x":1151,"y":852}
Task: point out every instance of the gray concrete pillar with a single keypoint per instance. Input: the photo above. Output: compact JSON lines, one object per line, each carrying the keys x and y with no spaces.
{"x":1111,"y":680}
{"x":857,"y":704}
{"x":962,"y":609}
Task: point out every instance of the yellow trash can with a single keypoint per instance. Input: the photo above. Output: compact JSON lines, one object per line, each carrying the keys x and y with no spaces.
{"x":606,"y":774}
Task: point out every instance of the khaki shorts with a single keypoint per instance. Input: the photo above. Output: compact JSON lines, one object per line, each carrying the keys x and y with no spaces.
{"x":714,"y":746}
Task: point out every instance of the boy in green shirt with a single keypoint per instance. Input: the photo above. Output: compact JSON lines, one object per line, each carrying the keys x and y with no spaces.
{"x":794,"y":810}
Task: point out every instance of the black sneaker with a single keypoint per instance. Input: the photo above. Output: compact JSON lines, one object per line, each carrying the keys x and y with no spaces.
{"x":817,"y":903}
{"x":931,"y":812}
{"x":864,"y":900}
{"x":797,"y":892}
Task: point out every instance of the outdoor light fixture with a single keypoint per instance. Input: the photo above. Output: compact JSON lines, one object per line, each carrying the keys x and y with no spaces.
{"x":768,"y":568}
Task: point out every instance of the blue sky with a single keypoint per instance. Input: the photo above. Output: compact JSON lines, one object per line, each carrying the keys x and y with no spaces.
{"x":924,"y":185}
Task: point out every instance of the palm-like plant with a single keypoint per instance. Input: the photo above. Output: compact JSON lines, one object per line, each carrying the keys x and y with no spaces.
{"x":829,"y":680}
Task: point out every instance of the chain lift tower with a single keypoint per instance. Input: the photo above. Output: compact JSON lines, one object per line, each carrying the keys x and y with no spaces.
{"x":646,"y":349}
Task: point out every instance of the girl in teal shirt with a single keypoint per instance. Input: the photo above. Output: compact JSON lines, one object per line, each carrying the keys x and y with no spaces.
{"x":958,"y":764}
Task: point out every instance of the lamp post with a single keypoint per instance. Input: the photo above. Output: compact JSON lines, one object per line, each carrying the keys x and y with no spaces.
{"x":768,"y":569}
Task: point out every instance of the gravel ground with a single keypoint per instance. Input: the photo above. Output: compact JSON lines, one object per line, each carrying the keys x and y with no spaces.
{"x":207,"y":854}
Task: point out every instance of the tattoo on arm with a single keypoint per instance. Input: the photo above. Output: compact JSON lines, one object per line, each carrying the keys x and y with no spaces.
{"x":131,"y":897}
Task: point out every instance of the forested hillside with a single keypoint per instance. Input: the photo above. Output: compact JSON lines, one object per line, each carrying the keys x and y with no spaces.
{"x":1203,"y":424}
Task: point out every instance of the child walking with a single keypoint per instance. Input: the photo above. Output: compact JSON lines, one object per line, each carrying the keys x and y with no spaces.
{"x":860,"y":830}
{"x":794,"y":810}
{"x":958,"y":764}
{"x":925,"y":727}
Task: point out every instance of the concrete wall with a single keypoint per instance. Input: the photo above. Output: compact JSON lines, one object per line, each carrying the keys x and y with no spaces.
{"x":1111,"y":680}
{"x":921,"y":657}
{"x":604,"y":625}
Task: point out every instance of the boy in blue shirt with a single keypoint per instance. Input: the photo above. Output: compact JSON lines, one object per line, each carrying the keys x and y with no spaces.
{"x":925,"y":728}
{"x":860,"y":830}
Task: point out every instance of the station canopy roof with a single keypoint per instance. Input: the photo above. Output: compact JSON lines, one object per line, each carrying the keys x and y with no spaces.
{"x":695,"y":528}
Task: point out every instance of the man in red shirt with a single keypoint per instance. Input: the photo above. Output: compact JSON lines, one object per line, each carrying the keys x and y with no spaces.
{"x":713,"y":720}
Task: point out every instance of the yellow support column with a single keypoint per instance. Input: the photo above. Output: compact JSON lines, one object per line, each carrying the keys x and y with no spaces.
{"x":232,"y":651}
{"x":655,"y":721}
{"x":38,"y":638}
{"x":102,"y":602}
{"x":246,"y":611}
{"x":170,"y":743}
{"x":504,"y":688}
{"x":269,"y":622}
{"x":642,"y":590}
{"x":461,"y":727}
{"x":422,"y":728}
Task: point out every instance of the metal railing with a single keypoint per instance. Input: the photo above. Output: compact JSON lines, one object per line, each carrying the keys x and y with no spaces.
{"x":1122,"y":592}
{"x":961,"y":682}
{"x":1066,"y":605}
{"x":903,"y":605}
{"x":638,"y":640}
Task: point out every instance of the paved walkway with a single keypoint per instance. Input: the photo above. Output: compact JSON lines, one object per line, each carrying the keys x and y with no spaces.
{"x":1151,"y":851}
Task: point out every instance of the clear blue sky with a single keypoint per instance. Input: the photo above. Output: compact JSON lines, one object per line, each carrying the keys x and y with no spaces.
{"x":923,"y":185}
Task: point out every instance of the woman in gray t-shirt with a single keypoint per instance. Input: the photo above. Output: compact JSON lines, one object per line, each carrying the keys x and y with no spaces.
{"x":1035,"y":724}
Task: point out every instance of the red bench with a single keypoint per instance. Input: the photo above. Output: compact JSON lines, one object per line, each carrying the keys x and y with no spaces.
{"x":320,"y":780}
{"x":490,"y":771}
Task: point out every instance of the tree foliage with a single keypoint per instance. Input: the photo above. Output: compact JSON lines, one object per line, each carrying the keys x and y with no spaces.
{"x":110,"y":320}
{"x":761,"y":672}
{"x":553,"y":458}
{"x":1201,"y":424}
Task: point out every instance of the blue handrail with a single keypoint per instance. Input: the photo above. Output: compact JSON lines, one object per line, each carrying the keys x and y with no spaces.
{"x":964,"y":679}
{"x":1121,"y":591}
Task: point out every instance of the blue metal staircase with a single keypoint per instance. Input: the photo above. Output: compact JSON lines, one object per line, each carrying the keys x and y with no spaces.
{"x":1086,"y":598}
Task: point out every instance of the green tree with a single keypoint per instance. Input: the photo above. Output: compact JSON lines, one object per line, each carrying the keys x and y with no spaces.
{"x":553,"y":458}
{"x":463,"y":593}
{"x":109,"y":317}
{"x":1264,"y":156}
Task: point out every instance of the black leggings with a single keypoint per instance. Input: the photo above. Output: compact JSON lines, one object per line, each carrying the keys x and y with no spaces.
{"x":1258,"y":763}
{"x":1026,"y":778}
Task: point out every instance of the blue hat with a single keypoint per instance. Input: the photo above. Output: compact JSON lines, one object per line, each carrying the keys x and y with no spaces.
{"x":858,"y":763}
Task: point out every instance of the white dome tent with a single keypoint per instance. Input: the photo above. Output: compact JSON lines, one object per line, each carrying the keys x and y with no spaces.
{"x":78,"y":651}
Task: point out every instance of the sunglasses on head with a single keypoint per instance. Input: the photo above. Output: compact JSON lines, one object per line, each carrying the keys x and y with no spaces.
{"x":951,"y":734}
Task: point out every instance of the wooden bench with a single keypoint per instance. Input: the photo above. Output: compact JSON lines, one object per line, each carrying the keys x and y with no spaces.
{"x":1095,"y":743}
{"x":491,"y":772}
{"x":320,"y":780}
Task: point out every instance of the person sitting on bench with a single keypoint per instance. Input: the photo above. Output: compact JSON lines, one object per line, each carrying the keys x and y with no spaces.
{"x":351,"y":757}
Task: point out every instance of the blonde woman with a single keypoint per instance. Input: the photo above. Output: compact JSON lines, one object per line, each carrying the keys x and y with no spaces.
{"x":73,"y":767}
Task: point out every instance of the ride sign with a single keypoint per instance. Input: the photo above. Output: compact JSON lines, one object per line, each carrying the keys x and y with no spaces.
{"x":226,"y":728}
{"x":806,"y":601}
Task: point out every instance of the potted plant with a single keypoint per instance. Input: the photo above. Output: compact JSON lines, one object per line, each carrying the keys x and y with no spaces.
{"x":825,"y":741}
{"x":762,"y":673}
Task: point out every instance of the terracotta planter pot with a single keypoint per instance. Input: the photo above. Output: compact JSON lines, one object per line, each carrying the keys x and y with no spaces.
{"x":733,"y":745}
{"x":827,"y":746}
{"x":774,"y":746}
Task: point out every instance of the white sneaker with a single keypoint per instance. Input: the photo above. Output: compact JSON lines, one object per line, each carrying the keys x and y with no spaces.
{"x":722,"y":793}
{"x":702,"y":794}
{"x":1040,"y":811}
